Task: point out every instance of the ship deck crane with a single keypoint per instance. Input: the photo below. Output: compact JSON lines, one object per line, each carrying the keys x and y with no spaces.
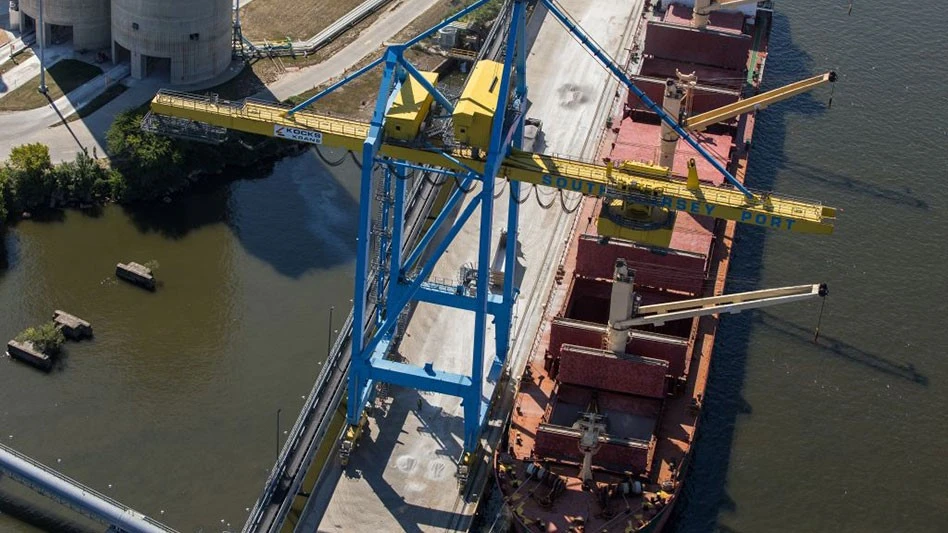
{"x":703,"y":9}
{"x":757,"y":102}
{"x":386,"y":157}
{"x":679,"y":93}
{"x":625,"y":312}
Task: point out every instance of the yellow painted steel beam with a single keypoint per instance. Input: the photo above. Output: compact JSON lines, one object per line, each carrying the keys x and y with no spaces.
{"x":760,"y":101}
{"x":645,"y":185}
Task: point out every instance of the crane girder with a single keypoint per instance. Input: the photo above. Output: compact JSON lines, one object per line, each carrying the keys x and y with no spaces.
{"x":630,"y":183}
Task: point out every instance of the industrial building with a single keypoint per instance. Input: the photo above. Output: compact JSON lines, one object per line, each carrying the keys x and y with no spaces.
{"x":84,"y":22}
{"x":185,"y":41}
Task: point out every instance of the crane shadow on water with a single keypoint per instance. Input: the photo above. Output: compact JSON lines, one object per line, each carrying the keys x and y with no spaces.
{"x":840,"y":348}
{"x":299,"y":218}
{"x":839,"y":180}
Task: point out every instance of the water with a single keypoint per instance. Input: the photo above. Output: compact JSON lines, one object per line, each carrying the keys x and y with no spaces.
{"x":846,"y":435}
{"x":175,"y":401}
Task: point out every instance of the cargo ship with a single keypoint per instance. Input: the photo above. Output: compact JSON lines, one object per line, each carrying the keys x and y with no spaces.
{"x":603,"y":424}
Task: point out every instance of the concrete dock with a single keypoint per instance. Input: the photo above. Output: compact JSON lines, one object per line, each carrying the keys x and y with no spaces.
{"x":401,"y":476}
{"x":73,"y":327}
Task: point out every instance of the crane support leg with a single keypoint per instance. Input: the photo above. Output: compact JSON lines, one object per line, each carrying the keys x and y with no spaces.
{"x":359,"y":375}
{"x":504,"y":319}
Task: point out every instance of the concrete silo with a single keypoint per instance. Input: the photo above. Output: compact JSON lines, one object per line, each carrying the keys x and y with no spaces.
{"x":84,"y":22}
{"x":190,"y":40}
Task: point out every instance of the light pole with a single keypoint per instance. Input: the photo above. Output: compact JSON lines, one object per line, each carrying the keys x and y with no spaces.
{"x":41,"y":35}
{"x":329,"y":333}
{"x":278,"y":435}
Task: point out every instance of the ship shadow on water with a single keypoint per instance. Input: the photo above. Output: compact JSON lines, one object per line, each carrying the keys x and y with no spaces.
{"x":705,"y":494}
{"x":294,"y":215}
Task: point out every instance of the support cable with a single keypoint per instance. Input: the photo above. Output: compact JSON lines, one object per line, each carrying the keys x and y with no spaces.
{"x":327,"y":161}
{"x":570,"y":210}
{"x":500,"y":190}
{"x":461,"y":185}
{"x":525,"y":198}
{"x":536,"y":191}
{"x":427,"y":177}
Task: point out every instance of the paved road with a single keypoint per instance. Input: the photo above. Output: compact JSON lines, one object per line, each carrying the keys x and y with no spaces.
{"x":394,"y":19}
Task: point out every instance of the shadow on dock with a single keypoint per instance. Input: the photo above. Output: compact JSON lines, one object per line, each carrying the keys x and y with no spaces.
{"x":368,"y":464}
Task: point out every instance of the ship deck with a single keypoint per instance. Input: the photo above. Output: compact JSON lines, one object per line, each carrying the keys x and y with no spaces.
{"x":635,"y":138}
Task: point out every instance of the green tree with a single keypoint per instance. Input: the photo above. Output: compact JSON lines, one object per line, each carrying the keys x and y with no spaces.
{"x":3,"y":195}
{"x":77,"y":179}
{"x":486,"y":14}
{"x":46,"y":338}
{"x":29,"y":172}
{"x":150,"y":165}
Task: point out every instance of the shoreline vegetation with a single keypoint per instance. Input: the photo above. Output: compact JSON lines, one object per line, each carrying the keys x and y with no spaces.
{"x":142,"y":167}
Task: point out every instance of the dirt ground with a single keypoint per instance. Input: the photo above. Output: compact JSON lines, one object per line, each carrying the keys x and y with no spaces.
{"x":277,"y":20}
{"x":357,"y":99}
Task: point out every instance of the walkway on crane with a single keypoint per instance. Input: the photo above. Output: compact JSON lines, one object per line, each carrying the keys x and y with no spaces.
{"x":637,"y":183}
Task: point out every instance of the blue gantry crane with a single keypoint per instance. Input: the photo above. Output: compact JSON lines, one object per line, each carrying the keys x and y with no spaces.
{"x":484,"y":143}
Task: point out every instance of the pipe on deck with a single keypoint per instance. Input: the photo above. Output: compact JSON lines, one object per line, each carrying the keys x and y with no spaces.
{"x":50,"y":483}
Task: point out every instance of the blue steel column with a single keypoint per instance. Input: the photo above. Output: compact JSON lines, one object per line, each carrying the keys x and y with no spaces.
{"x":398,"y":236}
{"x":472,"y":400}
{"x":383,"y":251}
{"x":504,"y":319}
{"x":358,"y":371}
{"x":474,"y":407}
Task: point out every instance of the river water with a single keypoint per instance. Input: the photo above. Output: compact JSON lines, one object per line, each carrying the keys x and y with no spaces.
{"x":172,"y":408}
{"x":174,"y":404}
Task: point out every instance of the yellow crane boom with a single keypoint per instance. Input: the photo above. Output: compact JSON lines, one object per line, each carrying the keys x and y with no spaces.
{"x":635,"y":183}
{"x":757,"y":102}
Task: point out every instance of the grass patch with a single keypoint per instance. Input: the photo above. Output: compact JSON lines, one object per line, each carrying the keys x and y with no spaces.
{"x":110,"y":94}
{"x":61,"y":78}
{"x":355,"y":100}
{"x":269,"y":70}
{"x":16,"y":61}
{"x":274,"y":20}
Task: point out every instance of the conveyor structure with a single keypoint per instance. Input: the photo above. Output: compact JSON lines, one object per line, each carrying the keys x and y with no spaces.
{"x":403,"y":276}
